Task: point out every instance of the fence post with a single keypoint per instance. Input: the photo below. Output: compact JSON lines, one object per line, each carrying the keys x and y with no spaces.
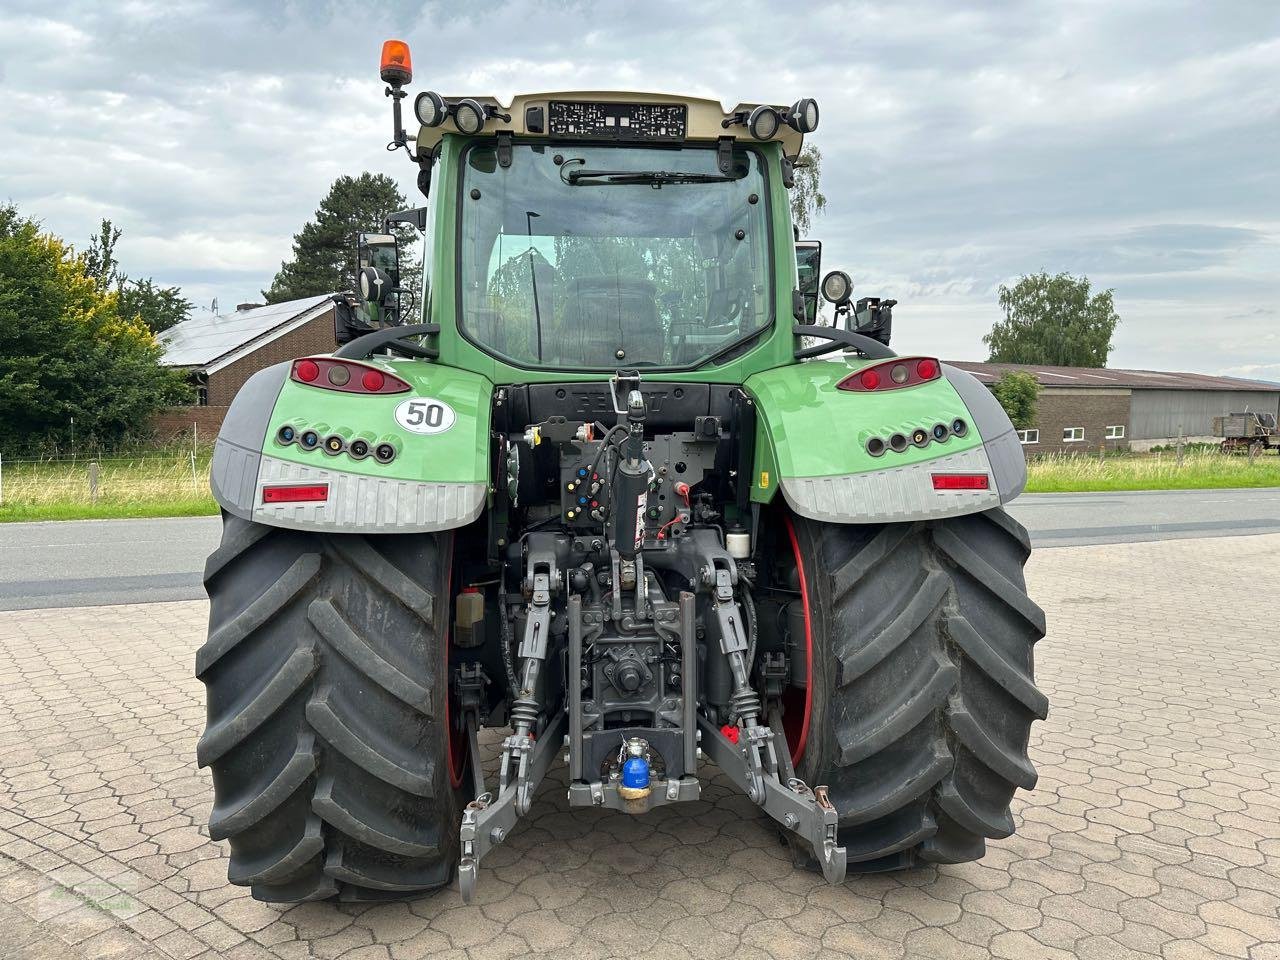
{"x":195,"y":483}
{"x":1179,"y":444}
{"x":93,"y":482}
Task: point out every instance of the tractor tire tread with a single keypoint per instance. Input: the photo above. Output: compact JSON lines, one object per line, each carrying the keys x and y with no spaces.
{"x":326,"y":737}
{"x":923,"y":718}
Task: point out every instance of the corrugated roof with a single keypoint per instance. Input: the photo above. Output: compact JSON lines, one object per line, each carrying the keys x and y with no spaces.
{"x":203,"y":340}
{"x":1048,"y":376}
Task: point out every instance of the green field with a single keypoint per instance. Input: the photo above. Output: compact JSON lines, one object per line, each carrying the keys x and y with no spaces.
{"x":163,"y":483}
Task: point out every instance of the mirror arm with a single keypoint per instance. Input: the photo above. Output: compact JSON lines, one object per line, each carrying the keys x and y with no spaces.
{"x":798,"y":312}
{"x":393,"y":339}
{"x":838,"y":338}
{"x":414,"y":215}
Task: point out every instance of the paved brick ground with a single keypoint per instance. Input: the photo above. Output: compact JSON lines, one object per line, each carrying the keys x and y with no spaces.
{"x":1154,"y":831}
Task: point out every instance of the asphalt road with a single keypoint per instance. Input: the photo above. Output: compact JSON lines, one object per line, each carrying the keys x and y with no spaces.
{"x":95,"y":562}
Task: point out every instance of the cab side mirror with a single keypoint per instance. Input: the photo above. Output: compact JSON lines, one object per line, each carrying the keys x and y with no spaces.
{"x":809,"y":269}
{"x":378,"y":275}
{"x":379,"y":252}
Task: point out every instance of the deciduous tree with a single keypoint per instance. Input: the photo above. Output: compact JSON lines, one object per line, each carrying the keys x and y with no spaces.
{"x":159,"y":308}
{"x":1054,"y":321}
{"x":1018,"y":393}
{"x":807,"y":198}
{"x":66,"y":351}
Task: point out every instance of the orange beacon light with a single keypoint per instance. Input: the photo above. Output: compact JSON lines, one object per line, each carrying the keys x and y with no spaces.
{"x":397,"y":65}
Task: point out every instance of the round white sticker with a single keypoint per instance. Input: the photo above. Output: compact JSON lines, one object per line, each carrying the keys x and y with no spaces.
{"x":425,"y":415}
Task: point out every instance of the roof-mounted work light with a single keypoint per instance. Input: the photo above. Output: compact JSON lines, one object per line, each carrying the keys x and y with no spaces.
{"x":468,"y":116}
{"x":803,"y":115}
{"x":763,"y":123}
{"x":430,"y":108}
{"x":397,"y":65}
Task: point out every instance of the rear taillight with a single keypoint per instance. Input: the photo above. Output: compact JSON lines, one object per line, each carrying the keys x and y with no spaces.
{"x":961,"y":481}
{"x":302,"y":493}
{"x":892,"y":374}
{"x":345,"y":376}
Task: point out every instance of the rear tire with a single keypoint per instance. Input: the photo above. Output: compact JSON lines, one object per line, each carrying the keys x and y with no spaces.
{"x":922,"y":683}
{"x":328,"y":727}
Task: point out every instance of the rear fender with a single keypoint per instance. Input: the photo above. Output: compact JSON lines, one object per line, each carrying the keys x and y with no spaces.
{"x":438,"y":480}
{"x":812,"y":438}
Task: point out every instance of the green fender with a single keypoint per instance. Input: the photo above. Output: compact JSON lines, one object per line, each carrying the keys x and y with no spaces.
{"x":439,"y":429}
{"x":812,"y":445}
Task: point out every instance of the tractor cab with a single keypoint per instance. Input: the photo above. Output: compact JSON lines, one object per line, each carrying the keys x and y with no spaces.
{"x":592,"y":231}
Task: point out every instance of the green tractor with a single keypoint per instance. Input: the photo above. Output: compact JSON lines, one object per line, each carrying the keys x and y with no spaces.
{"x":621,"y":495}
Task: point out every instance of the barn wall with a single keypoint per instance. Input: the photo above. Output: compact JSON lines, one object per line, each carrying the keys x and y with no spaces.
{"x":183,"y":421}
{"x":1093,"y":408}
{"x":314,"y":336}
{"x":1158,"y":414}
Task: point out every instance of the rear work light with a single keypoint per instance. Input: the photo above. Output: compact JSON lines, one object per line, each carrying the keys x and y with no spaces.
{"x":303,"y":493}
{"x":345,"y":376}
{"x":961,"y":481}
{"x":892,"y":374}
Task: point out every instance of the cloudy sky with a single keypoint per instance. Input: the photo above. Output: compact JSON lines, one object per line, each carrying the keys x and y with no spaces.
{"x":1137,"y":141}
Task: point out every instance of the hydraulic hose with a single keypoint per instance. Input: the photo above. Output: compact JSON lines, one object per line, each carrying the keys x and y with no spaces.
{"x":504,"y":628}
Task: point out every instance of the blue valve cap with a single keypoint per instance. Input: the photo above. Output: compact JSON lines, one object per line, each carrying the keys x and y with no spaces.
{"x":635,"y":773}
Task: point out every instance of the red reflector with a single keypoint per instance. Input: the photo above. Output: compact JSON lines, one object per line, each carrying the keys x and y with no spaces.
{"x":926,"y":369}
{"x":373,"y":380}
{"x":309,"y":493}
{"x":870,"y":379}
{"x":961,"y":481}
{"x":307,"y":370}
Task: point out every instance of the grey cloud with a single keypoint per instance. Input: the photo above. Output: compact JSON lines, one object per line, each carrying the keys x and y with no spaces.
{"x":1145,"y":256}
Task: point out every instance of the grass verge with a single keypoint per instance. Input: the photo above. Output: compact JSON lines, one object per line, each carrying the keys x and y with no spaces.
{"x":108,"y":510}
{"x":1199,"y":470}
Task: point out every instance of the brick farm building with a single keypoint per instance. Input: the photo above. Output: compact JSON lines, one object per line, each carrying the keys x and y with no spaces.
{"x":220,"y":352}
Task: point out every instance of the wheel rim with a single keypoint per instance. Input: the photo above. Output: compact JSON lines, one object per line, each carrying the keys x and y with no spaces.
{"x":798,"y":704}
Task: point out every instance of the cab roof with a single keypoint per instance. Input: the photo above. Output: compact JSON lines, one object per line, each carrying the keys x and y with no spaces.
{"x":707,"y":120}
